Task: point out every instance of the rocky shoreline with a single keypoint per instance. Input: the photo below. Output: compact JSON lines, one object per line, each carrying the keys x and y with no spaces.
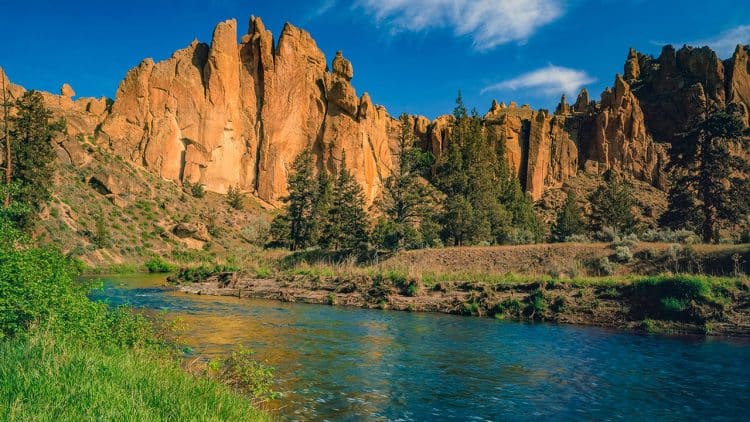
{"x":620,"y":305}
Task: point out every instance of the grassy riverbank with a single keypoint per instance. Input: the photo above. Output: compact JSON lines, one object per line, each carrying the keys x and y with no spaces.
{"x":45,"y":377}
{"x":702,"y":304}
{"x":63,"y":356}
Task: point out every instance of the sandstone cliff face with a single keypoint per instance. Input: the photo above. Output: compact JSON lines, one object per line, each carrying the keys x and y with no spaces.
{"x":235,"y":113}
{"x":229,"y":114}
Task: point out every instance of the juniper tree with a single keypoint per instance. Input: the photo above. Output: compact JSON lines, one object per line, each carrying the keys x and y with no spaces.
{"x":322,"y":203}
{"x":407,"y":198}
{"x":31,"y":156}
{"x":569,"y":220}
{"x":711,"y":184}
{"x":300,"y":211}
{"x":346,"y":225}
{"x":235,"y":198}
{"x":612,"y":205}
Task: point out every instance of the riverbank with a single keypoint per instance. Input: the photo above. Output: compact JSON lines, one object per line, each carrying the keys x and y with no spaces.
{"x":668,"y":303}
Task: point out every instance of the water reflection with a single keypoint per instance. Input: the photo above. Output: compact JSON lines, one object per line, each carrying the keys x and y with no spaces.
{"x":342,"y":363}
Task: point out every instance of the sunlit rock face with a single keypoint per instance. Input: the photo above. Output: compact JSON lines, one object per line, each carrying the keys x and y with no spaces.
{"x":237,"y":111}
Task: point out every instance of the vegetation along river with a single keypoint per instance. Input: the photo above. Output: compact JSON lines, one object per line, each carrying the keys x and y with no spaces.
{"x":347,"y":363}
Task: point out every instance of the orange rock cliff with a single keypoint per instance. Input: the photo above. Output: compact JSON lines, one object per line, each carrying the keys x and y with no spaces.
{"x":229,"y":114}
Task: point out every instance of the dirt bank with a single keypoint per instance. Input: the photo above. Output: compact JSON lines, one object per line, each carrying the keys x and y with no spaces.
{"x":682,"y":304}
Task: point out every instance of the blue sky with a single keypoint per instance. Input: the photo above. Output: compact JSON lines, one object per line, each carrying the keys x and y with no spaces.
{"x":410,"y":55}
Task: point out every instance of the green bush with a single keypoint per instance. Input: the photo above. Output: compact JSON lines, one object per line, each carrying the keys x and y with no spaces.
{"x":159,"y":265}
{"x":37,"y":289}
{"x":246,"y":375}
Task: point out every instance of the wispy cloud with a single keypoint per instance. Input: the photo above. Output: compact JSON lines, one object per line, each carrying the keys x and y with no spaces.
{"x":550,"y":80}
{"x":725,"y":43}
{"x":320,"y":9}
{"x":489,"y":23}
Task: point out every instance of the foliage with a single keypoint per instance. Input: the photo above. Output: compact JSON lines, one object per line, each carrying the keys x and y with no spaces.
{"x":569,"y":220}
{"x":300,"y":210}
{"x":407,"y":198}
{"x":623,"y":254}
{"x":32,"y":155}
{"x":235,"y":198}
{"x":158,"y":265}
{"x":710,"y":183}
{"x":101,"y":237}
{"x":612,"y":205}
{"x":484,"y":202}
{"x":245,"y":374}
{"x":202,"y":272}
{"x":345,"y":225}
{"x":195,"y":189}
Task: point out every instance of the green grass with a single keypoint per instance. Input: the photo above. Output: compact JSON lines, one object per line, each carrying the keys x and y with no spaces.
{"x":42,"y":378}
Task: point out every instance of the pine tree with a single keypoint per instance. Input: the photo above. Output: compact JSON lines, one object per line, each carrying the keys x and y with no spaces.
{"x":526,"y":225}
{"x":345,"y":228}
{"x":322,"y":204}
{"x":569,"y":220}
{"x":235,"y":198}
{"x":612,"y":205}
{"x":32,"y":155}
{"x":711,"y":184}
{"x":407,"y":199}
{"x":300,"y":211}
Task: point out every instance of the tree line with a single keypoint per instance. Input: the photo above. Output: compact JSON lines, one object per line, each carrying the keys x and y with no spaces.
{"x":470,"y":196}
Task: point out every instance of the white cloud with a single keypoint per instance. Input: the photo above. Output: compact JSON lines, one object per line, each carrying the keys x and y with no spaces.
{"x":725,"y":43}
{"x":550,"y":80}
{"x":488,"y":22}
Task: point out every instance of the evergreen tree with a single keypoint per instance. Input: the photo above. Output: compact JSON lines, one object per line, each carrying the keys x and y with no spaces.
{"x":31,"y":156}
{"x":280,"y":232}
{"x":345,"y":228}
{"x":235,"y":198}
{"x":612,"y":205}
{"x":711,"y":184}
{"x":300,"y":211}
{"x":407,"y":199}
{"x":322,"y":203}
{"x":526,"y":225}
{"x":569,"y":221}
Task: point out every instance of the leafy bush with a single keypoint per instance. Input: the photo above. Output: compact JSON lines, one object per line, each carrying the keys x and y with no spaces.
{"x":603,"y":266}
{"x":159,"y":265}
{"x":245,"y":374}
{"x":536,"y":304}
{"x":196,"y":189}
{"x":201,"y":273}
{"x":235,"y":198}
{"x":623,"y":254}
{"x":686,"y":237}
{"x":670,"y":296}
{"x":37,"y":290}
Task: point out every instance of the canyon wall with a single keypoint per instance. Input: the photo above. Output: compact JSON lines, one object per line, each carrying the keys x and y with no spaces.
{"x":238,"y":112}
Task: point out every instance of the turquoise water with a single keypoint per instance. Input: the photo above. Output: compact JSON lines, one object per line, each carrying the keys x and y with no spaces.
{"x":350,"y":364}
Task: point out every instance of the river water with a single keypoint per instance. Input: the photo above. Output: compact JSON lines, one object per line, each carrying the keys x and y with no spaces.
{"x":341,"y":363}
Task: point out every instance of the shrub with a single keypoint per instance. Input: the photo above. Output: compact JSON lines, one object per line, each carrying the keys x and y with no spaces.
{"x":245,"y":374}
{"x":603,"y":266}
{"x":623,"y":254}
{"x":510,"y":306}
{"x":235,"y":198}
{"x":159,"y":265}
{"x":606,"y":234}
{"x":536,"y":304}
{"x":196,"y":189}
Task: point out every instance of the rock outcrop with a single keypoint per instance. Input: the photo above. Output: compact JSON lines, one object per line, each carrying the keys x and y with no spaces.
{"x":237,"y":113}
{"x":229,"y":114}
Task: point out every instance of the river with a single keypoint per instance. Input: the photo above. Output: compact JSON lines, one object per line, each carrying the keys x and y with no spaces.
{"x":341,"y":363}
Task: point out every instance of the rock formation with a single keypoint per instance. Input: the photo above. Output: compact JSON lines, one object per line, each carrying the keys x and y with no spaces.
{"x":237,"y":113}
{"x":229,"y":114}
